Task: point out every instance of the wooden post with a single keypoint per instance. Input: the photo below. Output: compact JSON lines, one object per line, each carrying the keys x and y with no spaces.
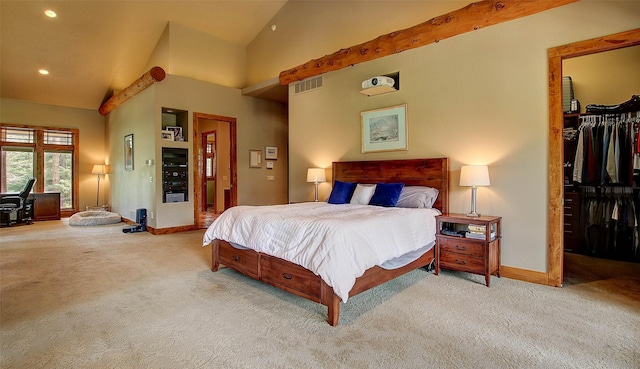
{"x":155,"y":74}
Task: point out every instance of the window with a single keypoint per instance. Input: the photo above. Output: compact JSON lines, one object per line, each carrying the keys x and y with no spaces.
{"x":58,"y":176}
{"x":210,"y":163}
{"x":18,"y":135}
{"x":48,"y":154}
{"x":20,"y":160}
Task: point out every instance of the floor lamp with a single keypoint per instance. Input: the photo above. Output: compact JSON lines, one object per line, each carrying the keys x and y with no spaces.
{"x":98,"y":169}
{"x":316,"y":175}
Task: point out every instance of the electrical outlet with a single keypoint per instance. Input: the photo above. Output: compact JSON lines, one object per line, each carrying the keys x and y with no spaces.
{"x":271,"y":178}
{"x":151,"y":214}
{"x":150,"y":179}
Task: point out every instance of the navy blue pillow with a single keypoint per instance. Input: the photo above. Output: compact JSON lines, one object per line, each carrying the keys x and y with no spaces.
{"x":386,"y":194}
{"x":341,"y":192}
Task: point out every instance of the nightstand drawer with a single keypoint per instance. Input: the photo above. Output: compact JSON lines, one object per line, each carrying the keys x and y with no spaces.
{"x":462,"y":262}
{"x":461,"y":246}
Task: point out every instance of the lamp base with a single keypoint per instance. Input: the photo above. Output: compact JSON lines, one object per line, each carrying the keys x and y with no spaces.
{"x":473,"y":215}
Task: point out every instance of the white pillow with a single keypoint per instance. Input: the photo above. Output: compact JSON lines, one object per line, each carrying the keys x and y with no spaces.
{"x":417,"y":197}
{"x":363,"y":194}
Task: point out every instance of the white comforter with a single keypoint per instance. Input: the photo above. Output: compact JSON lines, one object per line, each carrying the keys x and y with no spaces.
{"x":336,"y":242}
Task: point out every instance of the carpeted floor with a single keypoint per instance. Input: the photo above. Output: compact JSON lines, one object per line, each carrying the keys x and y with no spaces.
{"x":94,"y":297}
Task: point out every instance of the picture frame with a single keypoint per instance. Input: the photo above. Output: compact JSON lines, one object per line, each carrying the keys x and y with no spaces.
{"x":167,"y":135}
{"x":384,"y":129}
{"x":177,"y":132}
{"x":271,"y":152}
{"x":128,"y":152}
{"x":255,"y":158}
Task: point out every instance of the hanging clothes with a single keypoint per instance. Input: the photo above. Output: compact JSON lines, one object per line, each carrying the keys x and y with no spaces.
{"x":607,"y":149}
{"x":610,"y":217}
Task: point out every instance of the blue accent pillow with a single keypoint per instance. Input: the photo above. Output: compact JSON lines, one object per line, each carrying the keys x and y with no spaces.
{"x":386,"y":194}
{"x":341,"y":192}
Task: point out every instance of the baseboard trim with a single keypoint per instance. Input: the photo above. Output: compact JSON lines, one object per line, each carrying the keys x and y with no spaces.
{"x":158,"y":231}
{"x":524,"y":275}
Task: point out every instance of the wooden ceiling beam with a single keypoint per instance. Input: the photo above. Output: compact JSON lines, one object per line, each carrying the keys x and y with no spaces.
{"x":155,"y":74}
{"x":470,"y":18}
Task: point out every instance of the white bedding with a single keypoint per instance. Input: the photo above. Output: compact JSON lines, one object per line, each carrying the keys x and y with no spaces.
{"x":336,"y":242}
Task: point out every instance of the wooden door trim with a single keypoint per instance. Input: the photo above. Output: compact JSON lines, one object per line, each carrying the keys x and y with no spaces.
{"x":199,"y":163}
{"x":556,"y":144}
{"x":203,"y":186}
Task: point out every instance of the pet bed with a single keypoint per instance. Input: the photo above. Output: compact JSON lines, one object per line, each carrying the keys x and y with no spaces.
{"x":92,"y":218}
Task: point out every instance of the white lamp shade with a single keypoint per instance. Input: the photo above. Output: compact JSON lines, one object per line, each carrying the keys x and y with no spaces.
{"x":316,"y":175}
{"x":98,"y":169}
{"x":474,"y":175}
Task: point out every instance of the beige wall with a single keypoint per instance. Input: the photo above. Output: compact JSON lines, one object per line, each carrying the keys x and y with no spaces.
{"x":259,"y":123}
{"x":131,"y":189}
{"x":605,"y":78}
{"x":92,"y":141}
{"x":477,"y":98}
{"x":189,"y":53}
{"x":310,"y":29}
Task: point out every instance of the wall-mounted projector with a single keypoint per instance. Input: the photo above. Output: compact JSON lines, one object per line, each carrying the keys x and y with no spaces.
{"x":378,"y":81}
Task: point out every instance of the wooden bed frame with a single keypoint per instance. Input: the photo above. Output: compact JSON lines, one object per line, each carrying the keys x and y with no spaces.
{"x":302,"y":282}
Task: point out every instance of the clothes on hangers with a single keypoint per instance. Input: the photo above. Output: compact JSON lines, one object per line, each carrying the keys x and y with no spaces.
{"x":610,"y":222}
{"x":606,"y":148}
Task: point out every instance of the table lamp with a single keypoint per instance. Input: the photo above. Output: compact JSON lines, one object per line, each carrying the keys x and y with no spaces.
{"x":474,"y":176}
{"x":316,"y":175}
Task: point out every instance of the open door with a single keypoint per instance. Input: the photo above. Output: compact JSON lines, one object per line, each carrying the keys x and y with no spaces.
{"x":216,"y":170}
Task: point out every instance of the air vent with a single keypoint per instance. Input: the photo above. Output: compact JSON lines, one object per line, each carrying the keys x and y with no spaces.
{"x":308,"y":85}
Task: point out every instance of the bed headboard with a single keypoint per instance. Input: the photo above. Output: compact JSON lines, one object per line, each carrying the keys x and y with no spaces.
{"x":412,"y":172}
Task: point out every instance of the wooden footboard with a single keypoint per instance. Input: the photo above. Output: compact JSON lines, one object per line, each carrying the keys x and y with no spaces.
{"x":433,"y":172}
{"x":295,"y":279}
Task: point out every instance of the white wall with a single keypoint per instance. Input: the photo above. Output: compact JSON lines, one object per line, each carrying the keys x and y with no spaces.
{"x":477,"y":98}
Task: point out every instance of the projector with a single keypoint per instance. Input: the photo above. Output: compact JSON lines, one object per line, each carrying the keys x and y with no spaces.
{"x":378,"y":81}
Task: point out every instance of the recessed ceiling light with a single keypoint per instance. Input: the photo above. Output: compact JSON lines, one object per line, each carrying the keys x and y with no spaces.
{"x":50,"y":13}
{"x":43,"y":71}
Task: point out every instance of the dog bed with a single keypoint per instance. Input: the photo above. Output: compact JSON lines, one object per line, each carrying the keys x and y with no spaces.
{"x":92,"y":218}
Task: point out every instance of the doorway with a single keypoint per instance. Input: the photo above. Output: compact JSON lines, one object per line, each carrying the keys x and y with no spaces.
{"x":210,"y":200}
{"x":215,"y":175}
{"x":556,"y":145}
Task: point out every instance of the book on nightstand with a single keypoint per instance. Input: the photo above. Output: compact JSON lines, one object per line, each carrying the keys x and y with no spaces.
{"x":479,"y":236}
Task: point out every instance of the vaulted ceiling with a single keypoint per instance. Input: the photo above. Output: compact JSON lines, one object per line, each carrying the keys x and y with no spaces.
{"x":94,"y":47}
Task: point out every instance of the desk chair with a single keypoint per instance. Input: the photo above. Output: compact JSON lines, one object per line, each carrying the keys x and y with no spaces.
{"x":18,"y":204}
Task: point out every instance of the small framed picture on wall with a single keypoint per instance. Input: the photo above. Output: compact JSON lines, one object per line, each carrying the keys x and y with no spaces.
{"x":255,"y":158}
{"x":128,"y":152}
{"x":271,"y":152}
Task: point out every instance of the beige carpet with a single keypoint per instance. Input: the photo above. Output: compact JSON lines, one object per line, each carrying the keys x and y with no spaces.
{"x":94,"y":297}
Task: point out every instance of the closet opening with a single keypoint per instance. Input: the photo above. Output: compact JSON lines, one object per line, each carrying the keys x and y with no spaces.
{"x":558,"y":189}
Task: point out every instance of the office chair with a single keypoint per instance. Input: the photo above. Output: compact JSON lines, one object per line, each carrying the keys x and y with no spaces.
{"x":18,"y":204}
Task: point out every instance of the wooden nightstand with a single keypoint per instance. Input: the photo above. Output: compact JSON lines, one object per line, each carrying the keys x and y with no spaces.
{"x":475,"y":248}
